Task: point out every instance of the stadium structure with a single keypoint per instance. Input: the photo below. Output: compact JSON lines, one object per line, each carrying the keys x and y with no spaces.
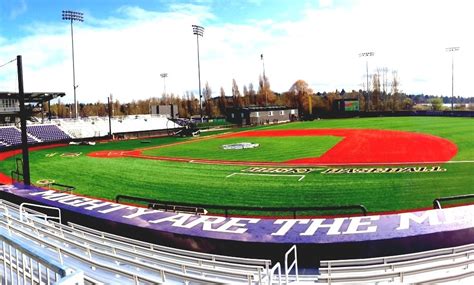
{"x":53,"y":233}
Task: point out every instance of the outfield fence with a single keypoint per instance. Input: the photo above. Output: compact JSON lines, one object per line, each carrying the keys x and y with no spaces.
{"x":362,"y":114}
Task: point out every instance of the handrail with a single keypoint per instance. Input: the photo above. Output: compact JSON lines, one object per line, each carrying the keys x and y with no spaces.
{"x":18,"y":174}
{"x":127,"y":260}
{"x":401,"y":274}
{"x":396,"y":258}
{"x":26,"y":250}
{"x":276,"y":267}
{"x":437,"y":201}
{"x":22,"y":206}
{"x":215,"y":257}
{"x":190,"y":262}
{"x":397,"y":265}
{"x":294,"y":264}
{"x":227,"y":208}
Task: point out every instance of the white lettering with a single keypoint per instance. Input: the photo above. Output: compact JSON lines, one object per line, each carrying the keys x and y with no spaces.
{"x":50,"y":195}
{"x":356,"y":222}
{"x":178,"y":219}
{"x":287,"y":225}
{"x":94,"y":204}
{"x":405,"y":218}
{"x":234,"y":222}
{"x":334,"y":228}
{"x":206,"y":221}
{"x":71,"y":200}
{"x":140,"y":212}
{"x":114,"y":207}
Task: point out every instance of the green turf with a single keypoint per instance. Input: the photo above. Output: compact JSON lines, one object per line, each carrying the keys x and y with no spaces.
{"x":197,"y":183}
{"x":270,"y":149}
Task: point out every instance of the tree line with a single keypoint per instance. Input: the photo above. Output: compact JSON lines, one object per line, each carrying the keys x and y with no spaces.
{"x":383,"y":94}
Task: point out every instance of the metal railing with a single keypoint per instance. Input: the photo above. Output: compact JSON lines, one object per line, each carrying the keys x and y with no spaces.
{"x":293,"y":265}
{"x":437,"y":201}
{"x":24,"y":211}
{"x":22,"y":264}
{"x":422,"y":265}
{"x":228,"y":208}
{"x":67,"y":244}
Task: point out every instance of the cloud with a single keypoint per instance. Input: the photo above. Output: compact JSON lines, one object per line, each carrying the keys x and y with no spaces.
{"x":19,"y":7}
{"x":125,"y":53}
{"x":325,"y":3}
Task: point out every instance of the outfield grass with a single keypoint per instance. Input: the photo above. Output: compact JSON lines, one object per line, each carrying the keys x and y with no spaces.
{"x":197,"y":183}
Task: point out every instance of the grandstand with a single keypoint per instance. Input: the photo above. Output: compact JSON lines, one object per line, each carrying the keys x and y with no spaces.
{"x":11,"y":136}
{"x":47,"y":133}
{"x":99,"y":126}
{"x":64,"y":129}
{"x":37,"y":247}
{"x":106,"y":258}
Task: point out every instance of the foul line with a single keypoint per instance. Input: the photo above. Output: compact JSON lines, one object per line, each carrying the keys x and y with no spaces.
{"x":260,"y":174}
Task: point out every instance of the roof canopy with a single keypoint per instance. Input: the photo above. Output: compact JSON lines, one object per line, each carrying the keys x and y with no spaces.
{"x":33,"y":97}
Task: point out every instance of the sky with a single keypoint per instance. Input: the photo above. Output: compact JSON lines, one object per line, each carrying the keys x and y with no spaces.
{"x":122,"y":47}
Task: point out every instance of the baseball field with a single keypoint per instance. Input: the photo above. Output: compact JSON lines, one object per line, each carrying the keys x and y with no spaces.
{"x":385,"y":164}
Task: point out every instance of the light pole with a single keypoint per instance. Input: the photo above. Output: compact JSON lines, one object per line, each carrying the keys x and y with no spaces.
{"x":73,"y":16}
{"x":199,"y":31}
{"x":263,"y":79}
{"x":164,"y":75}
{"x":452,"y":50}
{"x":367,"y":54}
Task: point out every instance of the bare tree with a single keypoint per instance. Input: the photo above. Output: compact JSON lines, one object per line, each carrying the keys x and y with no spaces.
{"x":236,"y":97}
{"x":207,"y":94}
{"x":300,"y":91}
{"x":222,"y":104}
{"x":265,"y":94}
{"x":396,"y":99}
{"x":252,"y":95}
{"x":375,"y":96}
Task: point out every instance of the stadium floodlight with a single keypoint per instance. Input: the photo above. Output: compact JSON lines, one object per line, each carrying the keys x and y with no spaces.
{"x":367,"y":54}
{"x":73,"y":16}
{"x":263,"y":79}
{"x":164,"y":75}
{"x":199,"y":31}
{"x":452,"y":50}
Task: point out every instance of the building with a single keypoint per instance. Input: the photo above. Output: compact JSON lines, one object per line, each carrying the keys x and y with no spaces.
{"x":170,"y":111}
{"x":10,"y":105}
{"x":254,"y":115}
{"x":9,"y":108}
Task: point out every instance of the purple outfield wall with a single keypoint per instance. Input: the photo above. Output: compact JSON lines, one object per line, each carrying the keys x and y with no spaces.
{"x":316,"y":238}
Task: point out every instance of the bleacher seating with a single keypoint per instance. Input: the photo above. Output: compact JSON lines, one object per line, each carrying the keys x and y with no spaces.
{"x":12,"y":136}
{"x":428,"y":267}
{"x":106,"y":258}
{"x":110,"y":259}
{"x":99,"y":126}
{"x":47,"y":133}
{"x":3,"y":144}
{"x":64,"y":129}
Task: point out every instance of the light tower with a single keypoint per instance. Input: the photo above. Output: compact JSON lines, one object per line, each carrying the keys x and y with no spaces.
{"x":452,"y":50}
{"x":164,"y":75}
{"x":199,"y":31}
{"x":73,"y":16}
{"x":367,"y":54}
{"x":263,"y":79}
